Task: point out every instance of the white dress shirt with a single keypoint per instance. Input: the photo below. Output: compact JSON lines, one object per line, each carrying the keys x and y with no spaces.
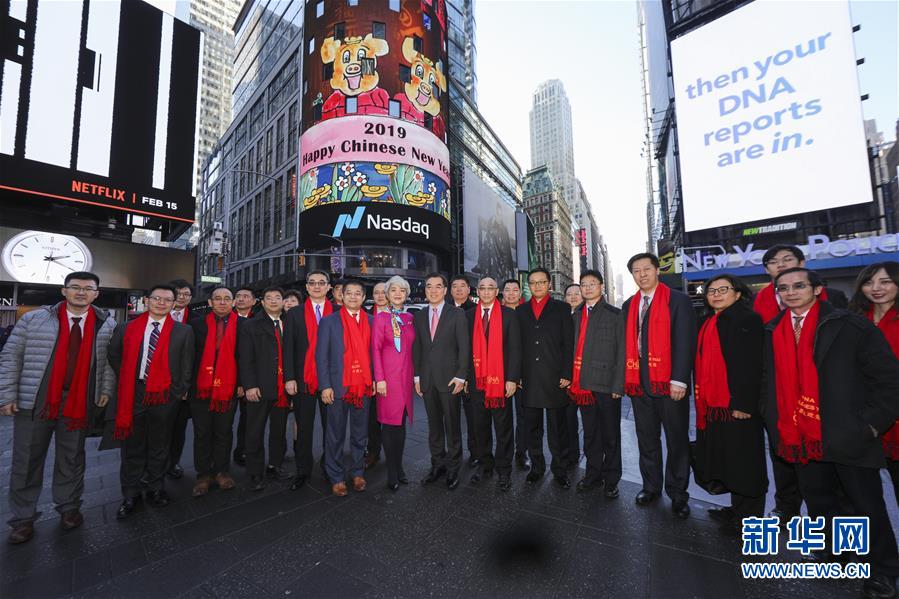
{"x":147,"y":332}
{"x":83,"y":317}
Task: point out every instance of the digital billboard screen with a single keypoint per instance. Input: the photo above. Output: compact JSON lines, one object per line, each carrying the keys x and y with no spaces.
{"x":374,"y":105}
{"x":98,"y":105}
{"x":489,"y":225}
{"x":769,"y":116}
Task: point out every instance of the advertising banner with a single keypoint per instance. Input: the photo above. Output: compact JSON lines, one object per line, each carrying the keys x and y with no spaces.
{"x":489,"y":225}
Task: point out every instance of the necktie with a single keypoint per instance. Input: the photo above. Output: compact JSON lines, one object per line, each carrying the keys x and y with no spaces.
{"x":643,"y":312}
{"x":318,"y":313}
{"x":797,"y":327}
{"x":176,"y":315}
{"x":154,"y":339}
{"x":435,"y":316}
{"x":486,"y":321}
{"x":277,"y":329}
{"x":74,"y":347}
{"x":589,"y":311}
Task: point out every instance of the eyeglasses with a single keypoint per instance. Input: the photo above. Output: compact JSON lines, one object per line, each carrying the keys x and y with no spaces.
{"x":316,"y":283}
{"x":221,"y":298}
{"x":538,"y":283}
{"x":161,"y":300}
{"x":784,"y":261}
{"x":590,"y":285}
{"x":184,"y":294}
{"x":793,"y":287}
{"x":79,"y":289}
{"x":487,"y":288}
{"x":719,"y":290}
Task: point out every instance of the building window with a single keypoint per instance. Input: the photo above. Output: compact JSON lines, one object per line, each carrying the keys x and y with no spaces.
{"x":327,"y":70}
{"x":352,"y":105}
{"x":426,"y":20}
{"x":394,"y":5}
{"x":429,"y":121}
{"x":320,"y":8}
{"x":352,"y":2}
{"x":379,"y":30}
{"x":311,"y":45}
{"x":393,"y":108}
{"x":417,"y":43}
{"x":339,"y":31}
{"x":405,"y":73}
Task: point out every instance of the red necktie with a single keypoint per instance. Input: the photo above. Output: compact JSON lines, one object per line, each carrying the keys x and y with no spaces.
{"x":74,"y":348}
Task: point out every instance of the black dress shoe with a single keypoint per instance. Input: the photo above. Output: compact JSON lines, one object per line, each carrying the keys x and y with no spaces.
{"x":129,"y":505}
{"x":523,"y":462}
{"x":175,"y":472}
{"x":879,"y":586}
{"x":505,"y":482}
{"x":680,"y":508}
{"x":721,"y":514}
{"x":474,"y":462}
{"x":534,"y":476}
{"x":256,"y":484}
{"x":393,"y":487}
{"x":434,"y":475}
{"x":645,"y":497}
{"x":298,"y":482}
{"x":403,"y":479}
{"x":239,"y":458}
{"x":585,"y":485}
{"x":611,"y":492}
{"x":452,"y":480}
{"x":158,"y":498}
{"x":562,"y":480}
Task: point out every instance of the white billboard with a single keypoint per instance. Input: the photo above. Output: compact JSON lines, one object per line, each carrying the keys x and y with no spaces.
{"x":769,"y":115}
{"x":489,"y":225}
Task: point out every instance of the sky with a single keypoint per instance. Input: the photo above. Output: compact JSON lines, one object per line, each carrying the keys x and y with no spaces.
{"x":593,"y":47}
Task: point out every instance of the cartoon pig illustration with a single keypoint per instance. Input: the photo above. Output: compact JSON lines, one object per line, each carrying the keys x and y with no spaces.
{"x":420,"y":93}
{"x":355,"y":74}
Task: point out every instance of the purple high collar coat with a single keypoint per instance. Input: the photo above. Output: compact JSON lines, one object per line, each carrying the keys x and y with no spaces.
{"x":393,"y":367}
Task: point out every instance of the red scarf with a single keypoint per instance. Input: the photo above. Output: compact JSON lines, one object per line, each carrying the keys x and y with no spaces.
{"x":766,"y":306}
{"x":310,"y":376}
{"x":356,"y":358}
{"x":659,"y":351}
{"x":487,"y":355}
{"x":159,"y":379}
{"x":796,"y":385}
{"x":889,"y":325}
{"x":711,"y":390}
{"x":579,"y":396}
{"x":279,"y":339}
{"x":217,"y":376}
{"x":538,"y":305}
{"x":75,"y":411}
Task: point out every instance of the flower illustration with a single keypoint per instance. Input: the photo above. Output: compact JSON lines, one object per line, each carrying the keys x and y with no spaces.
{"x":360,"y":179}
{"x":432,"y":188}
{"x":418,"y":176}
{"x":343,"y":183}
{"x":313,"y":174}
{"x":347,"y":168}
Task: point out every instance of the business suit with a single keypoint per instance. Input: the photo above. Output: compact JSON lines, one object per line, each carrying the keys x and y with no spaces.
{"x":145,"y":452}
{"x":437,"y":362}
{"x":501,"y":418}
{"x":652,"y":413}
{"x":602,"y":373}
{"x":547,"y":349}
{"x":258,"y":368}
{"x":213,"y":431}
{"x":183,"y":412}
{"x":470,"y":424}
{"x":240,"y":445}
{"x":329,"y":353}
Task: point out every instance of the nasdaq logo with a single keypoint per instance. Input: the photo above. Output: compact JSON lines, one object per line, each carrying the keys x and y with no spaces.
{"x":348,"y":221}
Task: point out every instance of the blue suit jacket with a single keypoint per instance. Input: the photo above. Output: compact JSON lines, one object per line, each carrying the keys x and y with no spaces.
{"x":329,"y":353}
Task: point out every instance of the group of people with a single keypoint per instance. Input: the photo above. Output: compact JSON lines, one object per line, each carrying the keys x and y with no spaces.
{"x":816,"y":372}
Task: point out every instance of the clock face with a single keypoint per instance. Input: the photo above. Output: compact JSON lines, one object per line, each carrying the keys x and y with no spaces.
{"x":40,"y":257}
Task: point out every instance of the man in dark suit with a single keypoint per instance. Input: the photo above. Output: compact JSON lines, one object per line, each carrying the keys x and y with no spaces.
{"x":495,"y":370}
{"x":216,"y":391}
{"x":149,"y":390}
{"x":261,"y":360}
{"x":598,"y":383}
{"x":832,"y":391}
{"x":440,"y":357}
{"x":547,"y":337}
{"x":184,"y":293}
{"x":244,"y":304}
{"x":512,"y":300}
{"x":661,"y":324}
{"x":768,"y":304}
{"x":345,"y":338}
{"x":300,"y":370}
{"x":460,"y":292}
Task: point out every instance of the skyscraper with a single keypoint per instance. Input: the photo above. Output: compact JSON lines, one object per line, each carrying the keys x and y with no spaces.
{"x":462,"y":49}
{"x":551,"y":218}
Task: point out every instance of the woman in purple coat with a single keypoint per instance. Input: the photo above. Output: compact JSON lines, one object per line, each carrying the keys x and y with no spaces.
{"x":391,"y":340}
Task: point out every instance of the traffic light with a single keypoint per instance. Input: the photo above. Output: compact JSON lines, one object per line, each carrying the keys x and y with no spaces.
{"x":363,"y":266}
{"x":301,"y":260}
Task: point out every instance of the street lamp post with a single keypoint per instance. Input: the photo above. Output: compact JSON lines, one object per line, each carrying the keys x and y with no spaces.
{"x":342,"y":253}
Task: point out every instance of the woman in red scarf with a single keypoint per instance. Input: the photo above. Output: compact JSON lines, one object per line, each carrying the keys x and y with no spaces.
{"x":730,"y":443}
{"x":875,"y":297}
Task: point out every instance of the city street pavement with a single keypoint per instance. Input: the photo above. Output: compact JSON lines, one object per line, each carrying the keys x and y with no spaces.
{"x":534,"y":541}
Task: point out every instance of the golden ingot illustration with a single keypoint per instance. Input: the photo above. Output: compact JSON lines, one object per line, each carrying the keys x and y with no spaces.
{"x":317,"y":195}
{"x":373,"y":191}
{"x":385,"y":169}
{"x":419,"y":199}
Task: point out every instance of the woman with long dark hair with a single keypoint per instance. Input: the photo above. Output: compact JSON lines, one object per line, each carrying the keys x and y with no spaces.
{"x":875,"y":294}
{"x":730,"y":442}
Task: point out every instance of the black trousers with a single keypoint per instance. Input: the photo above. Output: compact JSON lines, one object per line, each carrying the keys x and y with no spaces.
{"x":602,"y":439}
{"x":394,"y":445}
{"x":651,"y":415}
{"x":240,"y":445}
{"x":213,"y":437}
{"x":258,"y":414}
{"x":471,"y":427}
{"x":146,"y":450}
{"x":574,"y":446}
{"x":374,"y":429}
{"x":486,"y":421}
{"x":787,"y":496}
{"x":819,"y":482}
{"x":893,"y":469}
{"x":521,"y":428}
{"x":179,"y":430}
{"x":304,"y":413}
{"x":556,"y":436}
{"x":444,"y":428}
